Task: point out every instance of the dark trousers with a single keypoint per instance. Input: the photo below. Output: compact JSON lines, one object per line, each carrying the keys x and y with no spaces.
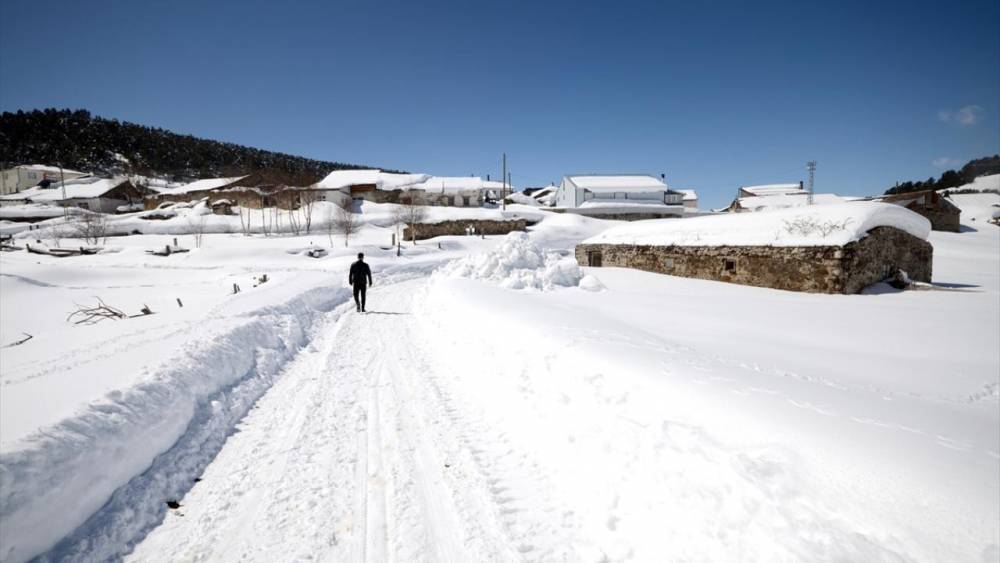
{"x":359,"y":289}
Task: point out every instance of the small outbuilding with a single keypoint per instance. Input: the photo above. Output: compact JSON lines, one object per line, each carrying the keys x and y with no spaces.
{"x":839,"y":248}
{"x":943,"y":214}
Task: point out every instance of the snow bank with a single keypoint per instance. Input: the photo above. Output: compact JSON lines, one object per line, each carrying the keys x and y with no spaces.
{"x":32,"y":211}
{"x":518,"y":197}
{"x":519,"y":264}
{"x":980,"y":184}
{"x":826,"y":225}
{"x":163,"y":430}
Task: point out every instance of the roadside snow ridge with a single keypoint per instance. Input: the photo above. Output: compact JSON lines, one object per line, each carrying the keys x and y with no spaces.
{"x":826,"y":225}
{"x":519,"y":263}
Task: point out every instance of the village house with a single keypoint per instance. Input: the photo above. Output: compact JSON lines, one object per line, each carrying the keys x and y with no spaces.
{"x":22,"y":177}
{"x":824,"y":249}
{"x":690,"y":199}
{"x":776,"y":196}
{"x":260,"y":189}
{"x":103,"y":195}
{"x":368,"y":185}
{"x":943,"y":214}
{"x":618,"y":196}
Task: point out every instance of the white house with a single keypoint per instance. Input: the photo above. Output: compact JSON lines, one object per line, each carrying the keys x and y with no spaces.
{"x":388,"y":187}
{"x":18,"y":178}
{"x":690,"y":199}
{"x":627,"y":196}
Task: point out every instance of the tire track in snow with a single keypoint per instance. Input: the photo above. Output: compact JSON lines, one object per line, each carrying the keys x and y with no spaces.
{"x":354,"y":455}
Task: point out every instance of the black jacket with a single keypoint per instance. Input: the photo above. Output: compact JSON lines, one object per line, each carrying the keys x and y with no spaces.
{"x":359,"y":271}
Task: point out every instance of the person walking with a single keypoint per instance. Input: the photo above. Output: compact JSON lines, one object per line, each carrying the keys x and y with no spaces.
{"x":360,"y":273}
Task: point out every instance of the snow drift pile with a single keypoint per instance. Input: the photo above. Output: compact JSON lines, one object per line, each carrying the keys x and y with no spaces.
{"x":519,"y":263}
{"x":826,"y":225}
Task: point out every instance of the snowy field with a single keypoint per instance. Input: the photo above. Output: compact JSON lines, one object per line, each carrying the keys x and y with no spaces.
{"x":497,"y":403}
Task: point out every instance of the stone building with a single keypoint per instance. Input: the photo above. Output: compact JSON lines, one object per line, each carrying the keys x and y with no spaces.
{"x":844,"y":260}
{"x":943,"y":214}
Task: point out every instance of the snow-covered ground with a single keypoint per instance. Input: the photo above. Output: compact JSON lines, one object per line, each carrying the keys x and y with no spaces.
{"x":508,"y":407}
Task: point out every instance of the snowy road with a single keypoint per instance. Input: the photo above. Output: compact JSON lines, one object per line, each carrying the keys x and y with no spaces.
{"x":354,"y":455}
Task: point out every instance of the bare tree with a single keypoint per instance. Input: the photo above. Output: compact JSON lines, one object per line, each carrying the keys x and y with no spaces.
{"x":196,"y":226}
{"x":307,"y":200}
{"x":343,"y":222}
{"x":292,"y":202}
{"x":414,"y":211}
{"x":244,"y":221}
{"x":91,"y":227}
{"x":398,"y":219}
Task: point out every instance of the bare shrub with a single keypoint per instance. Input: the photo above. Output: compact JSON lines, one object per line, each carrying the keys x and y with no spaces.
{"x":805,"y":225}
{"x":91,"y":227}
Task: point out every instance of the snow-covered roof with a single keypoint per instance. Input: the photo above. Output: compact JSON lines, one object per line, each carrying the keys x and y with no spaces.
{"x":202,"y":185}
{"x":618,"y":183}
{"x":339,"y":179}
{"x":442,"y":184}
{"x":47,"y":168}
{"x":822,"y":225}
{"x":773,"y":189}
{"x":636,"y":204}
{"x":537,"y":194}
{"x":85,"y":187}
{"x":782,"y":201}
{"x":689,"y":195}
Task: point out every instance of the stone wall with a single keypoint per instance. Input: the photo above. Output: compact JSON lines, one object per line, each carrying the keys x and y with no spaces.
{"x":885,"y":249}
{"x":941,"y":218}
{"x":813,"y":269}
{"x":487,"y":227}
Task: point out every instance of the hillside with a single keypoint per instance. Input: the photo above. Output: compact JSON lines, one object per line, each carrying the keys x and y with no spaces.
{"x":80,"y":141}
{"x":951,"y":178}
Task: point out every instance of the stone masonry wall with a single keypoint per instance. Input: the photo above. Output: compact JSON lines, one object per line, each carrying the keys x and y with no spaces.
{"x":941,"y":219}
{"x":488,"y":227}
{"x":875,"y":257}
{"x":813,"y":269}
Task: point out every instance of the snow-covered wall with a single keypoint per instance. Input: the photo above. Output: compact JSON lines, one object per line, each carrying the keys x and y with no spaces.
{"x":827,"y":225}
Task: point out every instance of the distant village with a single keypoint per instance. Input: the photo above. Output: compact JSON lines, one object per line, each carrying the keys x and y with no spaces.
{"x":45,"y":189}
{"x":695,"y":243}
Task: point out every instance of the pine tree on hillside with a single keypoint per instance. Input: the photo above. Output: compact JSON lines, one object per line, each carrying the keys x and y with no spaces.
{"x":80,"y":141}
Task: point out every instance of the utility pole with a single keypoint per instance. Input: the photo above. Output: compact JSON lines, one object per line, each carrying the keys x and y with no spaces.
{"x":503,"y":191}
{"x":811,"y":167}
{"x":62,"y":182}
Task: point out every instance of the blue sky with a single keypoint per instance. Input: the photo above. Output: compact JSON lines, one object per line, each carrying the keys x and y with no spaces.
{"x":714,"y":94}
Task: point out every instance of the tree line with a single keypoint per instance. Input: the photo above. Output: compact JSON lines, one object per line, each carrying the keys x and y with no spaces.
{"x":79,"y":141}
{"x":952,"y":178}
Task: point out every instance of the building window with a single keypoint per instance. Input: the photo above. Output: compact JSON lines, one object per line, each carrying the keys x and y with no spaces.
{"x":83,"y":205}
{"x":729,"y":265}
{"x":594,"y":258}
